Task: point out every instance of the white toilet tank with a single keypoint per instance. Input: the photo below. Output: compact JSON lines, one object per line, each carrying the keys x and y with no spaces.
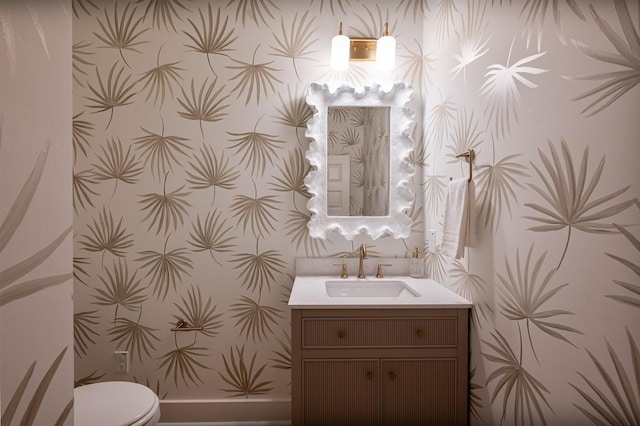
{"x":115,"y":404}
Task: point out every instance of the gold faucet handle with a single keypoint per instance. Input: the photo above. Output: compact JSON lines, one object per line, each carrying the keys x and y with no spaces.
{"x":343,"y":273}
{"x":379,"y":269}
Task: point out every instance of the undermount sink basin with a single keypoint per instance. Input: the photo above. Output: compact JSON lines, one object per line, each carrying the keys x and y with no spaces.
{"x":369,"y":288}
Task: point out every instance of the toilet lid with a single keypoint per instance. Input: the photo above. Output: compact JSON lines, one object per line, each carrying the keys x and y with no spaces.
{"x":113,"y":404}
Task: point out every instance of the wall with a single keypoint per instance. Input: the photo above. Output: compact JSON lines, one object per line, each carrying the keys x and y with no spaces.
{"x":189,"y":199}
{"x":36,"y":306}
{"x":188,"y":185}
{"x":546,"y":93}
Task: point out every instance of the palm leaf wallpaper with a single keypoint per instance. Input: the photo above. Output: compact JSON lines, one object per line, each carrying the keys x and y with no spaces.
{"x":189,"y":204}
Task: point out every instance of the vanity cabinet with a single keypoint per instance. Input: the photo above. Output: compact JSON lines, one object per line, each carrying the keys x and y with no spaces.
{"x":380,"y":366}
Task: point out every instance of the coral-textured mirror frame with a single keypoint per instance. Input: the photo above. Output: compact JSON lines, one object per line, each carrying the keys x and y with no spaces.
{"x":397,"y":223}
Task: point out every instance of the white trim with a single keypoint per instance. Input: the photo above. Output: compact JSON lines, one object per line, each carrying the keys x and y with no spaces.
{"x":209,"y":412}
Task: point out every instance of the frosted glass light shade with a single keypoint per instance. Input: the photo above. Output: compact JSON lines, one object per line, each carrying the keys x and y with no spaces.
{"x":340,"y":52}
{"x":386,"y":53}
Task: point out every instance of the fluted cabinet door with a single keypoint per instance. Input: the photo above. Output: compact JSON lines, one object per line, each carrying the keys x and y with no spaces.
{"x":340,"y":392}
{"x":419,"y":392}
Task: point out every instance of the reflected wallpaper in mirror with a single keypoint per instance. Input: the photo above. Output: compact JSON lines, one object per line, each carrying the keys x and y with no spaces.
{"x":358,"y":161}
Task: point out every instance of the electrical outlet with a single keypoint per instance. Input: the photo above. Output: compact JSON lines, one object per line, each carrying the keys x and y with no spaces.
{"x":431,"y":240}
{"x":121,"y":361}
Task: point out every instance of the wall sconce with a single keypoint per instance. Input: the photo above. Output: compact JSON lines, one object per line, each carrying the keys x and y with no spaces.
{"x":382,"y":50}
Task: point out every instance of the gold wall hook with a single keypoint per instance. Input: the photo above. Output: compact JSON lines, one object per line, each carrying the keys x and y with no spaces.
{"x":469,"y":157}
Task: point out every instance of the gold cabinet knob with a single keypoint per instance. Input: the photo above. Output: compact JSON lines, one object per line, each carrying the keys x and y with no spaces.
{"x":420,"y":333}
{"x":392,"y":375}
{"x":369,"y":375}
{"x":341,"y":334}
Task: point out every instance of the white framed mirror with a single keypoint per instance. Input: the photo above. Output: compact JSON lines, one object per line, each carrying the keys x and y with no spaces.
{"x":359,"y":145}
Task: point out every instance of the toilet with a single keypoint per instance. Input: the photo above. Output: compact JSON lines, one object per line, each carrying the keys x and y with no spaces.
{"x":115,"y":404}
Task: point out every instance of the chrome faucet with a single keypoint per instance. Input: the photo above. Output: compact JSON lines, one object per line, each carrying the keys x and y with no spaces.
{"x":363,"y":256}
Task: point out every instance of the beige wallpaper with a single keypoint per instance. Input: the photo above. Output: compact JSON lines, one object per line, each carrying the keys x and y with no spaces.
{"x":189,"y":122}
{"x":189,"y":198}
{"x":546,"y":93}
{"x":36,"y":305}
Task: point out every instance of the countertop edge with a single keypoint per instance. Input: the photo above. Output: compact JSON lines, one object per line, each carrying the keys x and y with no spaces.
{"x":385,"y":306}
{"x":313,"y":298}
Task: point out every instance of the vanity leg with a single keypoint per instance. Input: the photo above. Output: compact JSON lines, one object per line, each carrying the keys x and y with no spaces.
{"x":296,"y":365}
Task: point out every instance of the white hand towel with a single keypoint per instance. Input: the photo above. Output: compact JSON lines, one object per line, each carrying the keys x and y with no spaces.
{"x":459,"y":218}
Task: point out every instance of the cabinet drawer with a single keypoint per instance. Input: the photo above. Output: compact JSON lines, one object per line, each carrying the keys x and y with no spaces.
{"x":379,"y":332}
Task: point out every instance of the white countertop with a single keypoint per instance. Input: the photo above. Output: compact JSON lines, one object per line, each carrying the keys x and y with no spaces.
{"x":310,"y":292}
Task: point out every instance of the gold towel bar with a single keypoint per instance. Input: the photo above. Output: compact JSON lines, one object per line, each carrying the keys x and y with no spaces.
{"x":469,"y":157}
{"x":182,"y":325}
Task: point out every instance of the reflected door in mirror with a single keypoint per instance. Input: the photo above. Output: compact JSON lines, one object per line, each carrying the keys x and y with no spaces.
{"x":338,"y":185}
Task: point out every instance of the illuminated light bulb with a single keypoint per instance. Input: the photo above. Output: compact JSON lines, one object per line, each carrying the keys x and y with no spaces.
{"x":340,"y":51}
{"x":386,"y":51}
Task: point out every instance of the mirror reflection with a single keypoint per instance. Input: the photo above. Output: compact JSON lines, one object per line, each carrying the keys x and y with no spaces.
{"x":358,"y":161}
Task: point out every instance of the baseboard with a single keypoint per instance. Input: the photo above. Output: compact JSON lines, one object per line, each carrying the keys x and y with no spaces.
{"x":270,"y":412}
{"x":256,"y":423}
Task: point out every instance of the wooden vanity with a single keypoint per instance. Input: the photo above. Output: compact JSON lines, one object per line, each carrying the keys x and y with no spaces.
{"x":381,"y":366}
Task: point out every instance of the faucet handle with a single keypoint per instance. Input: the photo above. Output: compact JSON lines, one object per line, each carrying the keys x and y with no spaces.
{"x":343,"y":273}
{"x":379,"y":270}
